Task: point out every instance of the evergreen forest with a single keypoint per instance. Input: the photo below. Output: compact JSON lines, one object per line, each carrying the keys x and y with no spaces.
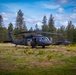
{"x":68,"y":32}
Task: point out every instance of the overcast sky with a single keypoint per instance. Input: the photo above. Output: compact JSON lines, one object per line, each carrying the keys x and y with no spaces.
{"x":34,"y":10}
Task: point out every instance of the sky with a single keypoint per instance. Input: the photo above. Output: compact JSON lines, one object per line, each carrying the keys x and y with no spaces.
{"x":34,"y":11}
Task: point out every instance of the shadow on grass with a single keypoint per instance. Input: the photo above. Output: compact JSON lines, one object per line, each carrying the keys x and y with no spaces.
{"x":26,"y":47}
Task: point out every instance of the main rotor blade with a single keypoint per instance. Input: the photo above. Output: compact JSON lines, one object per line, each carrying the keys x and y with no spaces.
{"x":25,"y":32}
{"x":50,"y":33}
{"x":39,"y":32}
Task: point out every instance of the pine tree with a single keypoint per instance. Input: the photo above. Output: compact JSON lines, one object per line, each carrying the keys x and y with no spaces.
{"x":3,"y":30}
{"x":31,"y":29}
{"x":70,"y":30}
{"x":24,"y":26}
{"x":36,"y":28}
{"x":62,"y":31}
{"x":74,"y":36}
{"x":44,"y":22}
{"x":20,"y":23}
{"x":10,"y":27}
{"x":51,"y":24}
{"x":1,"y":21}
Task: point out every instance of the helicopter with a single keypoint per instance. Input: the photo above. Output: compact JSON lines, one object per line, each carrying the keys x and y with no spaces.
{"x":36,"y":39}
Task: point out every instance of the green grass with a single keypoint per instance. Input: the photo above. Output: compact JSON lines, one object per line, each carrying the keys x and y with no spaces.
{"x":39,"y":71}
{"x":53,"y":60}
{"x":70,"y":60}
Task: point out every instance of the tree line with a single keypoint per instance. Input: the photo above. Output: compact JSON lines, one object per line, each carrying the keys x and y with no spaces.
{"x":68,"y":32}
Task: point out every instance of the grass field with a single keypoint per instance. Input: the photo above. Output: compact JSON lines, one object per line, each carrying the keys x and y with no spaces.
{"x":53,"y":60}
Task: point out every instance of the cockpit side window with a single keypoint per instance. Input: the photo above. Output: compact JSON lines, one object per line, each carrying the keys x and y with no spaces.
{"x":29,"y":39}
{"x":43,"y":39}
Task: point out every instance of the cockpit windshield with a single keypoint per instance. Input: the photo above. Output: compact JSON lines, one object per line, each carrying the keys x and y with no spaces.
{"x":43,"y":39}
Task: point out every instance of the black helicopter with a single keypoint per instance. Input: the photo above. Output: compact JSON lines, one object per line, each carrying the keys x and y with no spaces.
{"x":36,"y":39}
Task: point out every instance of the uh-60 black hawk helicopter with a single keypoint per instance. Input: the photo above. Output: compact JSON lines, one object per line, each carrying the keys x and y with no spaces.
{"x":36,"y":39}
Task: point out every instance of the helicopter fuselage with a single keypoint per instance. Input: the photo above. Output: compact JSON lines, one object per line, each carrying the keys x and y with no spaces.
{"x":34,"y":39}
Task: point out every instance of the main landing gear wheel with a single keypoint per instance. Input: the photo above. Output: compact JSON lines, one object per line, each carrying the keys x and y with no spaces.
{"x":43,"y":46}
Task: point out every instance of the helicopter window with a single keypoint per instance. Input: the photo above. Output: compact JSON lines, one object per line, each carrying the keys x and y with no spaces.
{"x":43,"y":39}
{"x":29,"y":39}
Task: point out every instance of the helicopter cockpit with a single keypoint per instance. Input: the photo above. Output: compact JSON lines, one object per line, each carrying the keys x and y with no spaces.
{"x":43,"y":39}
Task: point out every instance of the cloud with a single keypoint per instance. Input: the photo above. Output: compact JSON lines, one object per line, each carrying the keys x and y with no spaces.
{"x":8,"y":16}
{"x":74,"y":24}
{"x":39,"y":23}
{"x":61,"y":23}
{"x":30,"y":20}
{"x":62,"y":19}
{"x":73,"y":16}
{"x":34,"y":19}
{"x":58,"y":17}
{"x":74,"y":9}
{"x":49,"y":6}
{"x":64,"y":23}
{"x":60,"y":10}
{"x":65,"y":17}
{"x":5,"y":19}
{"x":3,"y":13}
{"x":63,"y":1}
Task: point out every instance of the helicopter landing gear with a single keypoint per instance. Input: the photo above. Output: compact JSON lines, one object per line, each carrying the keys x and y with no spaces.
{"x":33,"y":46}
{"x":34,"y":43}
{"x":43,"y":46}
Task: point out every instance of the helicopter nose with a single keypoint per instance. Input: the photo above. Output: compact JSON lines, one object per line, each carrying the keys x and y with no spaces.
{"x":48,"y":43}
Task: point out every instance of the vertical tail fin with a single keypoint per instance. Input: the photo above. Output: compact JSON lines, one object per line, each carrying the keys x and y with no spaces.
{"x":11,"y":37}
